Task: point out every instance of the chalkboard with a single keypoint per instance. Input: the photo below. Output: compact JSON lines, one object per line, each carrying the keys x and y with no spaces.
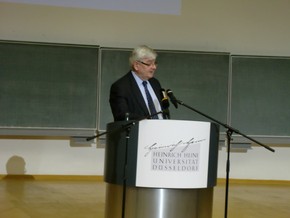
{"x":260,"y":95}
{"x":48,"y":86}
{"x":114,"y":64}
{"x":198,"y":79}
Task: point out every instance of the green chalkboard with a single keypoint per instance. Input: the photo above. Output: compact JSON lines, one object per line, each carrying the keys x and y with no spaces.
{"x":198,"y":79}
{"x":260,"y":95}
{"x":114,"y":64}
{"x":48,"y":86}
{"x":56,"y":86}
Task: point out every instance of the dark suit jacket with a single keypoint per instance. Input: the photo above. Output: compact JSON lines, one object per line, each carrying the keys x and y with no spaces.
{"x":126,"y":97}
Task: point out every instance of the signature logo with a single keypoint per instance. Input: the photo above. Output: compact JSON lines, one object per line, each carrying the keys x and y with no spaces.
{"x":155,"y":146}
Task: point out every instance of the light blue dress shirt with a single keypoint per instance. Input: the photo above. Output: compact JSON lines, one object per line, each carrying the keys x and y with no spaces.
{"x":151,"y":91}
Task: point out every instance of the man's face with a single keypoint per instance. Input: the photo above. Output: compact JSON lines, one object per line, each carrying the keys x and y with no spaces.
{"x":145,"y":68}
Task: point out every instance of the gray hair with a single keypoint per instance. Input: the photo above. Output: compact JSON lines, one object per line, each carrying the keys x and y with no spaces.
{"x":142,"y":52}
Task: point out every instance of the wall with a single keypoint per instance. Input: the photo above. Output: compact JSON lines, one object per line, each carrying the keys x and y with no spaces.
{"x":240,"y":27}
{"x":49,"y":157}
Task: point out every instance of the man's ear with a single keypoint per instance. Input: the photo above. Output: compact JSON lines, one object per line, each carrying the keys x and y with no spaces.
{"x":135,"y":66}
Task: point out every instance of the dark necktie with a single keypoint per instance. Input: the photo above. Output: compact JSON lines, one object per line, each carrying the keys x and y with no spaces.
{"x":150,"y":102}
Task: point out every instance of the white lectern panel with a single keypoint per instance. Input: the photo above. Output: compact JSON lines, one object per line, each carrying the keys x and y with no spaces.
{"x":173,"y":154}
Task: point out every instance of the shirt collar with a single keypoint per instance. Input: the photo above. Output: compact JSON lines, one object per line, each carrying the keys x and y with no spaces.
{"x":137,"y":78}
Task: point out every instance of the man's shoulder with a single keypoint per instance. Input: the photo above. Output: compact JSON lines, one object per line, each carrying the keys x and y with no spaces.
{"x":124,"y":79}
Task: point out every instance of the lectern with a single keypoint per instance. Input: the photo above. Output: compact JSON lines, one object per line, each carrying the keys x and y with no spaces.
{"x":165,"y":168}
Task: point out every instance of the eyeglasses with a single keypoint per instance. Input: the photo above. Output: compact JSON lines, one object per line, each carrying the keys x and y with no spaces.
{"x":148,"y":64}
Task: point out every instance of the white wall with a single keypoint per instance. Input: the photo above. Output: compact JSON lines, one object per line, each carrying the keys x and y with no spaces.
{"x":258,"y":163}
{"x":49,"y":157}
{"x":241,"y":27}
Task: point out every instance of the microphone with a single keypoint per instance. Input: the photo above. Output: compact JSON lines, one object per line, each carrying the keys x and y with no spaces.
{"x":164,"y":101}
{"x":172,"y":98}
{"x":165,"y":104}
{"x":127,"y":116}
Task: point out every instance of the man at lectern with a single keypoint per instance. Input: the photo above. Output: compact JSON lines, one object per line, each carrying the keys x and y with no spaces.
{"x":138,"y":95}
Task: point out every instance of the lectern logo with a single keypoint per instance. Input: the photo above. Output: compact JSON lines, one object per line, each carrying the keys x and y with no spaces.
{"x":181,"y":156}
